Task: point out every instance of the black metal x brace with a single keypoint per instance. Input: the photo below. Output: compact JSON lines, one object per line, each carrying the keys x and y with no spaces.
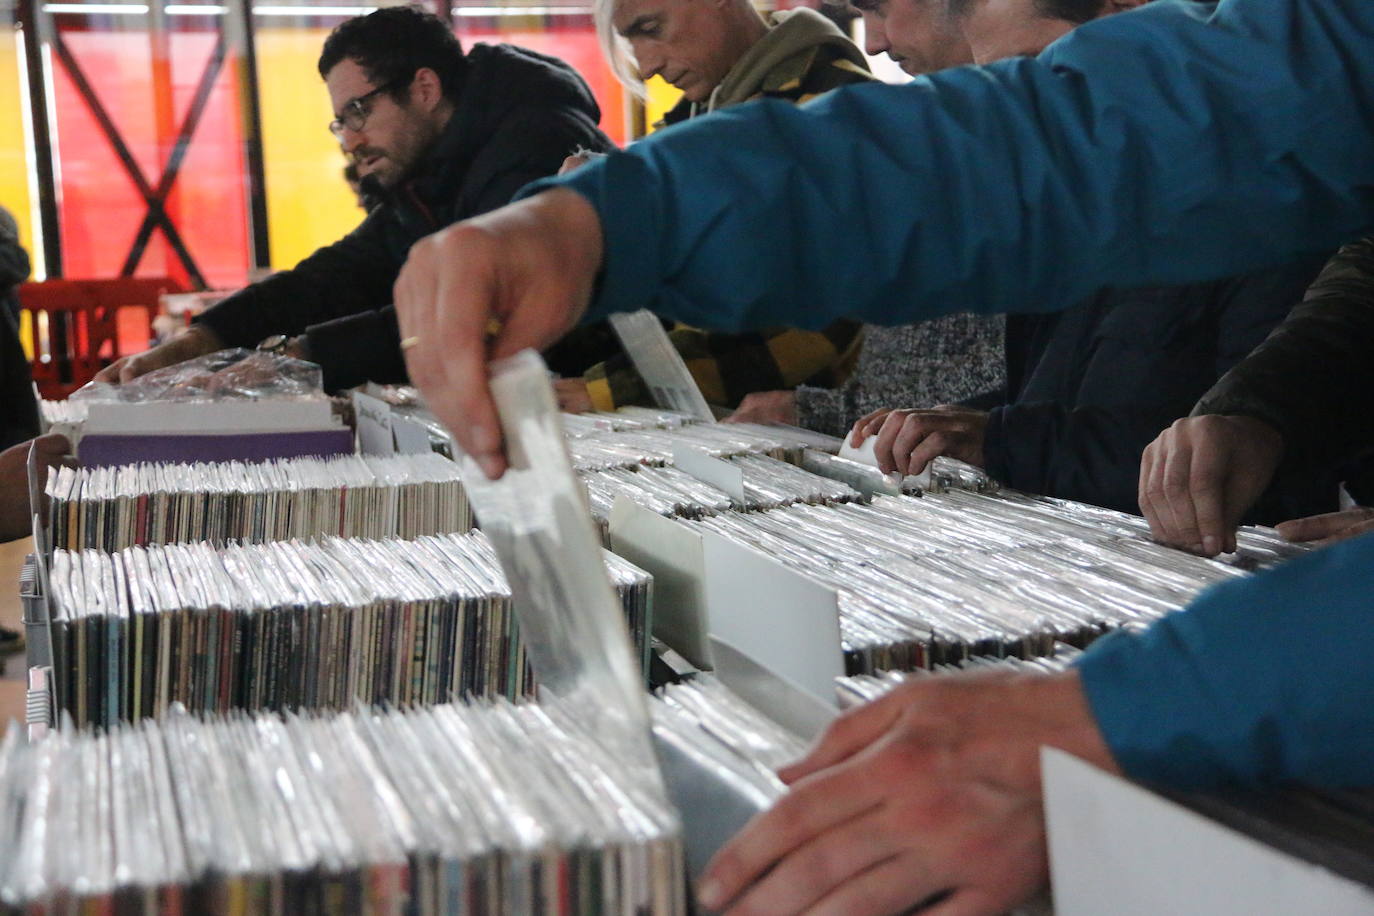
{"x":154,"y":199}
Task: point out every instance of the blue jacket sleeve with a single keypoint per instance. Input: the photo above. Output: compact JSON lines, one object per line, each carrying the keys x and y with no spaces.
{"x":1261,"y":681}
{"x":1176,"y":143}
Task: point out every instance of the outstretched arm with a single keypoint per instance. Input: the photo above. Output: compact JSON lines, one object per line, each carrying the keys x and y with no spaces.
{"x":1146,"y":148}
{"x":1166,"y":145}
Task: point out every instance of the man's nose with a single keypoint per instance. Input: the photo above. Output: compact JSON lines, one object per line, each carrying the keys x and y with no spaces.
{"x":350,"y":139}
{"x":875,"y":36}
{"x":650,"y":63}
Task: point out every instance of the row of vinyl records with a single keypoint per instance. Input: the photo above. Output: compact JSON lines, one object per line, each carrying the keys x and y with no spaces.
{"x":486,"y":807}
{"x":931,"y":580}
{"x":766,"y":483}
{"x":110,"y":508}
{"x":406,"y":496}
{"x":483,"y":808}
{"x":292,"y":625}
{"x":652,"y":446}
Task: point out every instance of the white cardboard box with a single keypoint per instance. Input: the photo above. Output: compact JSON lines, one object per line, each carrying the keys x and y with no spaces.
{"x":1117,"y":848}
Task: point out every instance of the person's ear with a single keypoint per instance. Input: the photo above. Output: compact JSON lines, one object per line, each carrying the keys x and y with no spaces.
{"x":426,"y":89}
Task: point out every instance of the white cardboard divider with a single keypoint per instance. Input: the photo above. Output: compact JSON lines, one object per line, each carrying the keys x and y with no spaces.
{"x":709,"y":590}
{"x":710,"y":470}
{"x":789,"y":706}
{"x":659,"y":364}
{"x":672,"y":553}
{"x":374,"y":425}
{"x":782,"y":620}
{"x":407,"y":436}
{"x":1116,"y":847}
{"x":411,"y":438}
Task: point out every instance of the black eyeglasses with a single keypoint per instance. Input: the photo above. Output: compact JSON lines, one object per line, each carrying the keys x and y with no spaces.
{"x":356,"y":110}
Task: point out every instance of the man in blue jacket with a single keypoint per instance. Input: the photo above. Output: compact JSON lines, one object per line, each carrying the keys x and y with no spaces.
{"x":1178,"y":143}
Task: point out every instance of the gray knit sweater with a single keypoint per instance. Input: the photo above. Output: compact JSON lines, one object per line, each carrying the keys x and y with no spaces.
{"x":941,"y":361}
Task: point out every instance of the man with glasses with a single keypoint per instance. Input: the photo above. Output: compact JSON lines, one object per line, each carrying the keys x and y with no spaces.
{"x":438,"y":135}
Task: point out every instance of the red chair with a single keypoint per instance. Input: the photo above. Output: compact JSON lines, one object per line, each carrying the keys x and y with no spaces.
{"x":78,"y":327}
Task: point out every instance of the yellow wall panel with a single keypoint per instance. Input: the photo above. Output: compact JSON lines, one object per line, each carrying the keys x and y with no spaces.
{"x":662,"y":97}
{"x":308,"y":203}
{"x":14,"y":169}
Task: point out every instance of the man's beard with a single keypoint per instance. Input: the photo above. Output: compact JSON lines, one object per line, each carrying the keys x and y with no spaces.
{"x":370,"y":186}
{"x":371,"y":193}
{"x":394,"y":172}
{"x":405,"y":160}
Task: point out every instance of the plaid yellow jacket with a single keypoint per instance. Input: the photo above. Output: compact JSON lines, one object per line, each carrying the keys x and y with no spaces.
{"x":729,"y":366}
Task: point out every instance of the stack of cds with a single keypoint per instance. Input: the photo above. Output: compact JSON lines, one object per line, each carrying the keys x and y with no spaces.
{"x":933,"y":580}
{"x":861,"y":688}
{"x":491,"y":808}
{"x":630,"y":447}
{"x":577,"y":425}
{"x":702,"y":721}
{"x":671,"y":492}
{"x":65,"y":417}
{"x":247,"y":405}
{"x":667,"y":491}
{"x":292,"y":625}
{"x":406,"y":402}
{"x":111,"y":508}
{"x":708,"y":710}
{"x":771,"y":484}
{"x":951,"y":474}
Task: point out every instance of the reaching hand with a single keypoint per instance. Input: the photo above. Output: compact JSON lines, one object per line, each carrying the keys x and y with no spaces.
{"x":14,"y":481}
{"x":909,"y":439}
{"x":572,"y":395}
{"x":487,"y":288}
{"x":1331,"y":527}
{"x":766,"y":407}
{"x":196,"y":340}
{"x":931,"y":793}
{"x":1201,"y":475}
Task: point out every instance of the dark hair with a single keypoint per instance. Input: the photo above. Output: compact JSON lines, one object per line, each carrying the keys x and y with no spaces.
{"x":842,"y":13}
{"x":1075,"y":11}
{"x":391,"y":44}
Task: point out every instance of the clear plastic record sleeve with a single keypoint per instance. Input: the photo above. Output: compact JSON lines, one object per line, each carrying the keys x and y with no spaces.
{"x":537,"y":519}
{"x":539,"y":524}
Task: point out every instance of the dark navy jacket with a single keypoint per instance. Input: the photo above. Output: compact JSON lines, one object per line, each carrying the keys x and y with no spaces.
{"x":1090,"y":387}
{"x":18,"y":410}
